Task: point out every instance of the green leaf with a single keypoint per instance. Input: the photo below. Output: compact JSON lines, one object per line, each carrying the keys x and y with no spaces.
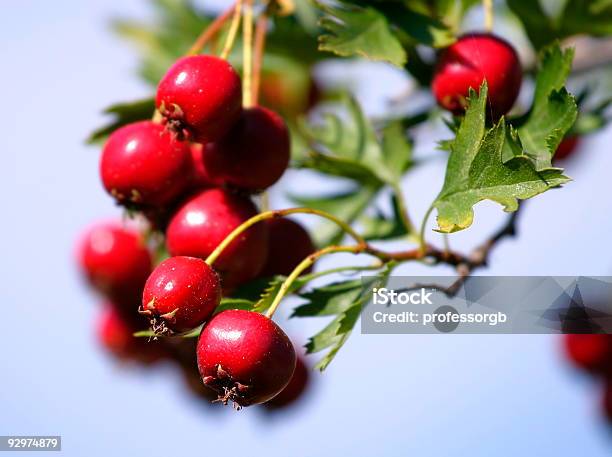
{"x":553,"y":111}
{"x":359,"y":31}
{"x":344,"y":300}
{"x":478,"y":169}
{"x":593,"y":17}
{"x":590,"y":17}
{"x":345,"y":144}
{"x":347,"y":206}
{"x":123,"y":113}
{"x":329,"y":300}
{"x":381,"y":227}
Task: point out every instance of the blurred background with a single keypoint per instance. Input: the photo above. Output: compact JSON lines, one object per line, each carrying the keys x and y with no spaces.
{"x":382,"y":395}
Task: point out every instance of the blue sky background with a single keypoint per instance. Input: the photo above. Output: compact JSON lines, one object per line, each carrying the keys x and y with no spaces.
{"x":383,"y":395}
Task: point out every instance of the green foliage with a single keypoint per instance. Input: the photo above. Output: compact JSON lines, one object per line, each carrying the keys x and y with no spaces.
{"x":122,"y":114}
{"x":553,"y":111}
{"x":382,"y":227}
{"x":479,"y":168}
{"x":359,"y":31}
{"x":343,"y":300}
{"x":346,"y":145}
{"x":592,"y":17}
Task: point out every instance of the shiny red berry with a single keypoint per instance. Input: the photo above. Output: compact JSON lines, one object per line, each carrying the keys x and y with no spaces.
{"x":253,"y":155}
{"x":181,"y":293}
{"x":201,"y":94}
{"x":294,"y":390}
{"x":144,"y":164}
{"x":116,"y":262}
{"x":206,"y":220}
{"x":472,"y":59}
{"x":289,"y":244}
{"x":116,"y":335}
{"x":567,"y":147}
{"x":592,"y":352}
{"x":245,"y":357}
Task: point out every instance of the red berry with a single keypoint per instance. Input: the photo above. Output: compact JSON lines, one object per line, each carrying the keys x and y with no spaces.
{"x":245,"y":357}
{"x":253,"y":155}
{"x":201,"y":94}
{"x":591,"y":352}
{"x":206,"y":220}
{"x":116,"y":262}
{"x":199,"y":176}
{"x":181,"y":293}
{"x":143,"y":163}
{"x":467,"y":63}
{"x":294,"y":390}
{"x":289,"y":244}
{"x":117,"y":336}
{"x":566,"y":148}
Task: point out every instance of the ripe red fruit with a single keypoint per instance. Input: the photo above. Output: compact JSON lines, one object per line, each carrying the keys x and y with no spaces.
{"x":117,"y":336}
{"x":289,"y":244}
{"x":566,"y":147}
{"x":294,"y":390}
{"x":116,"y":262}
{"x":201,"y":94}
{"x":206,"y":220}
{"x":143,"y":163}
{"x":245,"y":357}
{"x":467,"y":63}
{"x":253,"y":155}
{"x":199,"y":176}
{"x":592,"y":352}
{"x":181,"y":293}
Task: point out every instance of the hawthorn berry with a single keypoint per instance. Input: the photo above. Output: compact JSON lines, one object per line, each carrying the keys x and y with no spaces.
{"x":253,"y":155}
{"x":199,"y":176}
{"x":592,"y":352}
{"x":294,"y":390}
{"x":205,"y":220}
{"x":245,"y":357}
{"x":181,"y":293}
{"x":116,"y":335}
{"x":566,"y":148}
{"x":289,"y":244}
{"x":144,"y":164}
{"x":200,"y":94}
{"x":115,"y":261}
{"x":472,"y":59}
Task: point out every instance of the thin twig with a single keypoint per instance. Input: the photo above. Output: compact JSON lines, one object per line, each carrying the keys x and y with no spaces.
{"x":260,"y":44}
{"x":210,"y":31}
{"x":231,"y":36}
{"x":247,"y":55}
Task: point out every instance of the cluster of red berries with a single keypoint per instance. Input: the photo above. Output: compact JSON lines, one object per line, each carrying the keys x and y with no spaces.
{"x":593,"y":354}
{"x":191,"y":174}
{"x":473,"y":59}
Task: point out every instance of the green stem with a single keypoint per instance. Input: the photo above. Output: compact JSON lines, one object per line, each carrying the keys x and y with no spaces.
{"x":422,"y":243}
{"x":210,"y":31}
{"x":231,"y":36}
{"x":488,"y":12}
{"x":304,"y":265}
{"x":280,"y":213}
{"x":312,"y":276}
